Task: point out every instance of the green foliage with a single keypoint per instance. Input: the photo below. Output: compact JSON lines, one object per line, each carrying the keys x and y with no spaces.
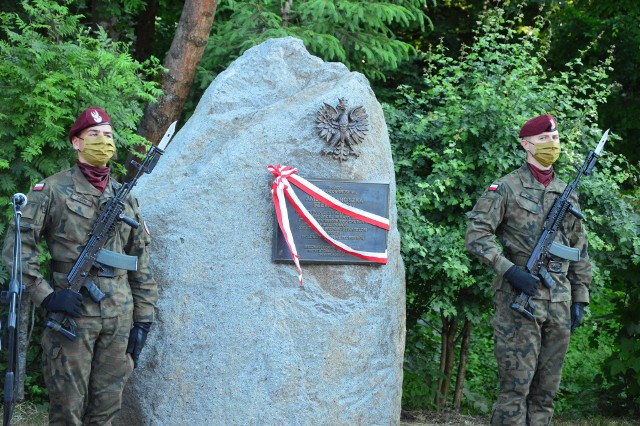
{"x":611,"y":23}
{"x":481,"y":380}
{"x":362,"y":35}
{"x":452,"y":139}
{"x":52,"y":67}
{"x":577,"y":395}
{"x":120,"y":19}
{"x":421,"y":372}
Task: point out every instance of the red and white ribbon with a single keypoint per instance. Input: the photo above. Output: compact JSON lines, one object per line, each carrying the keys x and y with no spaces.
{"x":281,"y":190}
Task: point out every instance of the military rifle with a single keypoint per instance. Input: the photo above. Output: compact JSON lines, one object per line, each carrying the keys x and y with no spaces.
{"x":93,"y":254}
{"x":546,"y":247}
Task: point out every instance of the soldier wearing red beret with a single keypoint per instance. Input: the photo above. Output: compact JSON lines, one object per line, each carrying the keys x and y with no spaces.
{"x":529,"y":353}
{"x":85,"y":377}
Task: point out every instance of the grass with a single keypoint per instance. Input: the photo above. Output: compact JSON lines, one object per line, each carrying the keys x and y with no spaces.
{"x":595,"y":421}
{"x":28,"y":414}
{"x":428,"y":418}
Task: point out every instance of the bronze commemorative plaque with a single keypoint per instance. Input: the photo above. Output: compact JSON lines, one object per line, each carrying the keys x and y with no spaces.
{"x":371,"y":197}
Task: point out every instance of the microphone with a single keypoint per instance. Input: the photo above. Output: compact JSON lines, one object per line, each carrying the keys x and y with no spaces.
{"x":19,"y":199}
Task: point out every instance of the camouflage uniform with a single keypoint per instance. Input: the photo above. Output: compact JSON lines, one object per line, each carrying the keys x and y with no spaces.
{"x":85,"y":377}
{"x":529,"y":353}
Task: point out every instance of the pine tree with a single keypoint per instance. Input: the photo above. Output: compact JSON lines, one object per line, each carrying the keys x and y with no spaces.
{"x":362,"y":35}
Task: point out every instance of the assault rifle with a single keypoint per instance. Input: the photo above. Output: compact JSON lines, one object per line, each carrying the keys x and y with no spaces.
{"x":545,"y":247}
{"x":94,"y":255}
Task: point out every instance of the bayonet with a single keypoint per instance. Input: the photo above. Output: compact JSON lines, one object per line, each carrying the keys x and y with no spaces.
{"x":604,"y":139}
{"x":168,"y":135}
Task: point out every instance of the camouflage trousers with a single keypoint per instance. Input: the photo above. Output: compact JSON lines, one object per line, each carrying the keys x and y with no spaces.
{"x":530,"y":355}
{"x":85,"y":378}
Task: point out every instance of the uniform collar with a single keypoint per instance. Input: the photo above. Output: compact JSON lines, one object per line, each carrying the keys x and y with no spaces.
{"x":82,"y":185}
{"x":530,"y":182}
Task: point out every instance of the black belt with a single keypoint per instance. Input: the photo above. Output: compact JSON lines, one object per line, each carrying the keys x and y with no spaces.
{"x":552,"y":265}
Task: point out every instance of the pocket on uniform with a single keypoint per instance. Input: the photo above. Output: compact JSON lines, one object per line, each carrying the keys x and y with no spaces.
{"x":32,"y":216}
{"x":528,"y":202}
{"x":79,"y":208}
{"x":75,"y":223}
{"x":505,"y":336}
{"x":51,"y":355}
{"x":52,"y":352}
{"x":484,"y":204}
{"x":503,"y":325}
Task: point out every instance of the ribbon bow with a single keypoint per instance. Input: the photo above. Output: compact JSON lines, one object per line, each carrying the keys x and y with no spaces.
{"x":281,"y":190}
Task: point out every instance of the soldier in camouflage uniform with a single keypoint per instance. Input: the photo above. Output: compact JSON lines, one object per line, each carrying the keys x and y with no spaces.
{"x":85,"y":377}
{"x":529,"y":353}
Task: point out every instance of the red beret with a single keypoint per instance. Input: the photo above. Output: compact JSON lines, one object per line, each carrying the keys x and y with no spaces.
{"x":540,"y":124}
{"x":93,"y":116}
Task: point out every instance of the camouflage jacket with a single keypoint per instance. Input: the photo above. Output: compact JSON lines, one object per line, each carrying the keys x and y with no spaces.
{"x":513,"y":209}
{"x":61,"y":211}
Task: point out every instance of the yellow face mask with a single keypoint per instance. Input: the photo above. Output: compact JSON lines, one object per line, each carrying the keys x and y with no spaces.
{"x":98,"y":150}
{"x":546,"y":153}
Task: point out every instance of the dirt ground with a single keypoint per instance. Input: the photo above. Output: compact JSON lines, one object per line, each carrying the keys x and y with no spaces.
{"x":428,"y":418}
{"x":417,"y":418}
{"x":29,"y":415}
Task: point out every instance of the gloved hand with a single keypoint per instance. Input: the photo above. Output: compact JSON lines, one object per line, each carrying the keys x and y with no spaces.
{"x":577,"y":310}
{"x":522,"y":280}
{"x":137,"y":338}
{"x":67,"y":301}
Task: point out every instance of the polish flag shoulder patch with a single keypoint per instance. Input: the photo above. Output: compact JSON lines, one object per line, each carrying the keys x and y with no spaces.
{"x":493,"y":187}
{"x":38,"y":186}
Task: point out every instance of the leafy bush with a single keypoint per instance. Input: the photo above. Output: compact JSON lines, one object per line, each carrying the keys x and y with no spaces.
{"x":458,"y":133}
{"x":52,"y":68}
{"x":421,"y":373}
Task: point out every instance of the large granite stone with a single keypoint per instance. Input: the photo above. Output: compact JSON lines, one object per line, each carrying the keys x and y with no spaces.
{"x":237,"y":341}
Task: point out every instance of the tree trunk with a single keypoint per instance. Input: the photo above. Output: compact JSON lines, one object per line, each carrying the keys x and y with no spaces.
{"x":451,"y":356}
{"x":145,"y":30}
{"x":447,"y":358}
{"x":462,"y":365}
{"x":182,"y":62}
{"x":443,"y":358}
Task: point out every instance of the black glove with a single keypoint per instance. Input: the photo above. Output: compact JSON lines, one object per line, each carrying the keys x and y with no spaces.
{"x":67,"y":301}
{"x":137,"y":337}
{"x":523,"y":281}
{"x":577,"y":310}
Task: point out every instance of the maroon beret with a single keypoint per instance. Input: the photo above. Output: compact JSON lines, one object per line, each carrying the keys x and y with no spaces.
{"x":540,"y":124}
{"x":93,"y":116}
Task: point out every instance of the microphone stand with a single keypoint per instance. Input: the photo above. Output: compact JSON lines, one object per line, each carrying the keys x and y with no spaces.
{"x":13,"y":297}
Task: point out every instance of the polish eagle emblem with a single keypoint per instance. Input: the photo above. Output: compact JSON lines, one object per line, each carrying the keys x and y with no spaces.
{"x":96,"y":116}
{"x":342,"y":129}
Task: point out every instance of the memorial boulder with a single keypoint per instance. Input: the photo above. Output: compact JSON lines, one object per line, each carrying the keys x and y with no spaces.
{"x":238,"y":341}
